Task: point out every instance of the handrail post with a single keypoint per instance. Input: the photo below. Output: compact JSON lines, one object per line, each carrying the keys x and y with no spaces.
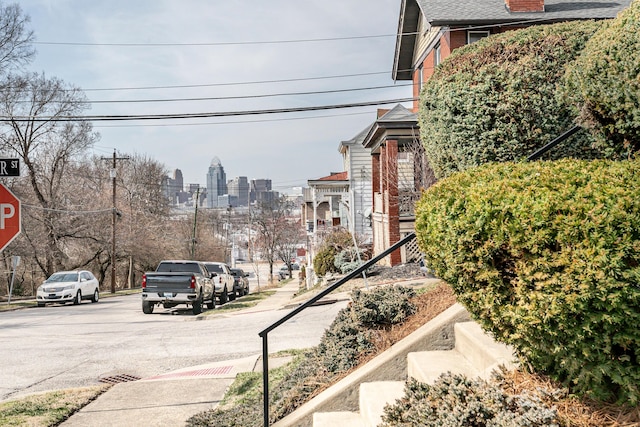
{"x":265,"y":380}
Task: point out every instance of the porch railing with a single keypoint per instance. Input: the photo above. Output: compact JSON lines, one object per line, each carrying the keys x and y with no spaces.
{"x":264,"y":334}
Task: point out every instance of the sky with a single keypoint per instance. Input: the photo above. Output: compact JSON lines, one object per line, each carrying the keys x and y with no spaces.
{"x":152,"y":57}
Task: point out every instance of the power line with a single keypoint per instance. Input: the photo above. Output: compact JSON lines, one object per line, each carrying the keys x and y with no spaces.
{"x":240,"y":43}
{"x":222,"y":98}
{"x":282,"y":119}
{"x":300,"y":79}
{"x":200,"y":115}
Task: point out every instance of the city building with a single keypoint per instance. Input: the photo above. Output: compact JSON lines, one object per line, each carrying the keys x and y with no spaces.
{"x":261,"y":191}
{"x":216,"y":183}
{"x":239,"y":188}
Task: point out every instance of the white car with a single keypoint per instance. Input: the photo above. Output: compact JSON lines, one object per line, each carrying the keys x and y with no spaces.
{"x":68,"y":286}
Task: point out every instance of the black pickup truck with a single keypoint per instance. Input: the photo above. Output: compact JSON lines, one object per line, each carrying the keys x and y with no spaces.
{"x":178,"y":282}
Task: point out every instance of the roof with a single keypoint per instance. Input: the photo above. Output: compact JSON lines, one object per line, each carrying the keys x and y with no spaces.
{"x":340,"y":176}
{"x":399,"y":120}
{"x":447,"y":13}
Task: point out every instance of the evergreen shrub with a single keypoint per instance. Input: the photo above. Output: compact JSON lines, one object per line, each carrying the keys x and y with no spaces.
{"x":546,"y":255}
{"x":499,"y":100}
{"x":332,"y":245}
{"x":604,"y":82}
{"x":455,"y":400}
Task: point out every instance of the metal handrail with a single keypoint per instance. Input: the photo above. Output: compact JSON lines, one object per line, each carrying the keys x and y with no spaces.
{"x":265,"y":354}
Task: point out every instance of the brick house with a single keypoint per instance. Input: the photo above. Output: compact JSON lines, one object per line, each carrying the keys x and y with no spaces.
{"x":428,"y":31}
{"x":399,"y":174}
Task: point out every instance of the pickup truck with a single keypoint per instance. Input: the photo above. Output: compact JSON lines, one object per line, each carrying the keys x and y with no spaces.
{"x":223,"y":281}
{"x":178,"y":282}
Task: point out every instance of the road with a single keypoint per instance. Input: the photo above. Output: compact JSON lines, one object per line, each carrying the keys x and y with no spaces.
{"x":66,"y":346}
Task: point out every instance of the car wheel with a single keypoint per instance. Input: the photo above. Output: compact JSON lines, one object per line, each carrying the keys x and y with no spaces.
{"x":232,"y":294}
{"x":212,"y":304}
{"x":41,"y":304}
{"x":147,"y":307}
{"x":78,"y":298}
{"x":196,"y":306}
{"x":224,"y":296}
{"x":96,"y":296}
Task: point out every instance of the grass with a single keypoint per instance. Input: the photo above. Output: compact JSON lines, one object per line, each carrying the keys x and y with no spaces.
{"x":47,"y":409}
{"x":248,"y":301}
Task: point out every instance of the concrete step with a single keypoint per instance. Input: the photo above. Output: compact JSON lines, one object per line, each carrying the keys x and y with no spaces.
{"x":481,"y":350}
{"x":427,"y":366}
{"x":374,"y":396}
{"x":333,"y":419}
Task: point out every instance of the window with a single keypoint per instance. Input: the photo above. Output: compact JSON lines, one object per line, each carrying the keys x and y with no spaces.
{"x":436,"y":55}
{"x":474,"y":36}
{"x":419,"y":77}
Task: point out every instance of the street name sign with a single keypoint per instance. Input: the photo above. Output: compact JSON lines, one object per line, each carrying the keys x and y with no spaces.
{"x":9,"y":167}
{"x":10,"y":223}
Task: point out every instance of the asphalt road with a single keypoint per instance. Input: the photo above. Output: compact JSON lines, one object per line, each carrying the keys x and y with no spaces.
{"x":66,"y":346}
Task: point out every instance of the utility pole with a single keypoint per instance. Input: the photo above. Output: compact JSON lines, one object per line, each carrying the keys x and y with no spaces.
{"x":114,"y":214}
{"x":195,"y":221}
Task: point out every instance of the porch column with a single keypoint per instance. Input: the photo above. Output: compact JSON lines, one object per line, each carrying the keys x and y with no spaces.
{"x":393,"y":204}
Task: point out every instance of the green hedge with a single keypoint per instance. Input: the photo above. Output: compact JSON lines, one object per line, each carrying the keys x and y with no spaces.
{"x":604,"y":81}
{"x":499,"y":100}
{"x":546,"y":256}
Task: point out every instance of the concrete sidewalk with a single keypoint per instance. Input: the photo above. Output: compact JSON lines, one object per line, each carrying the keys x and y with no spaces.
{"x":171,"y":398}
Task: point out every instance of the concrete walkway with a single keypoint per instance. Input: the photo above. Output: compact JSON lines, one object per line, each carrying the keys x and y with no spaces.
{"x":171,"y":398}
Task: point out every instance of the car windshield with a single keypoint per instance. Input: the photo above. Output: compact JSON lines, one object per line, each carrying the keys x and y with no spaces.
{"x":63,"y":277}
{"x":214,"y":268}
{"x":236,"y":272}
{"x":169,"y":267}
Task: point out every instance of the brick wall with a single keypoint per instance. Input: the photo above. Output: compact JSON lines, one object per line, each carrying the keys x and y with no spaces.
{"x":525,"y":5}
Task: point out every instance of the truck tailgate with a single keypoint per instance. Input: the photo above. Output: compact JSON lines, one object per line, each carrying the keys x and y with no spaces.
{"x":169,"y":282}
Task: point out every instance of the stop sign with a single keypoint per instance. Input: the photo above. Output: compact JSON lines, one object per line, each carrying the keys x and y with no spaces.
{"x":10,"y":224}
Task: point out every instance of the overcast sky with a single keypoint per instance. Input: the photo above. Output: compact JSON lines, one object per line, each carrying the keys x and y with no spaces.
{"x":173,"y":51}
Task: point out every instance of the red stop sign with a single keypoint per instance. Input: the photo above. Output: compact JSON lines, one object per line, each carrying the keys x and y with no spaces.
{"x":10,"y":224}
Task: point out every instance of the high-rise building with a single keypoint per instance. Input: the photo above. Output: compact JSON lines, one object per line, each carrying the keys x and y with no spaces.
{"x":173,"y":187}
{"x":239,"y":187}
{"x":259,"y":186}
{"x":216,"y":183}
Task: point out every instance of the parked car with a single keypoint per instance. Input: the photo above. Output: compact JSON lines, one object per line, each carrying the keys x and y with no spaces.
{"x":240,"y":281}
{"x":68,"y":286}
{"x":283,"y":273}
{"x":223,"y":281}
{"x":177,"y":282}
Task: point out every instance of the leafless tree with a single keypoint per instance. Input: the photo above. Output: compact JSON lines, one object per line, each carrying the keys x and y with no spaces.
{"x":288,"y":242}
{"x":16,"y":40}
{"x":270,"y":220}
{"x":37,"y":127}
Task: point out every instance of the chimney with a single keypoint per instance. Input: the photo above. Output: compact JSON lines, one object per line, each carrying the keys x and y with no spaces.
{"x":525,"y":5}
{"x":382,"y":112}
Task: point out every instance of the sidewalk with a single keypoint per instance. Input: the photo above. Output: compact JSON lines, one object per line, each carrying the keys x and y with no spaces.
{"x":170,"y":399}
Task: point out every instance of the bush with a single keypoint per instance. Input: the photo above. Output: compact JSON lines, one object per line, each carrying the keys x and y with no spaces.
{"x":348,"y":260}
{"x":498,"y":99}
{"x":546,"y":256}
{"x":324,"y":261}
{"x":603,"y":81}
{"x":383,"y":306}
{"x":332,"y":245}
{"x":454,"y":400}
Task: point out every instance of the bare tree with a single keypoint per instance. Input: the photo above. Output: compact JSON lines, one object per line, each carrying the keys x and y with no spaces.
{"x":15,"y":39}
{"x":37,"y":128}
{"x":289,"y":238}
{"x":270,"y":220}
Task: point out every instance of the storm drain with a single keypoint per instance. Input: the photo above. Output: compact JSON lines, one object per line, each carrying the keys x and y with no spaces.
{"x":122,"y":378}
